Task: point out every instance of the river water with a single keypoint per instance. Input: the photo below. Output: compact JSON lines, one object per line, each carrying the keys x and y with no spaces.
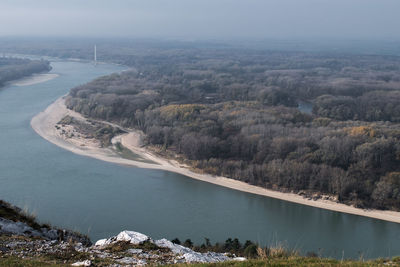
{"x":101,"y":199}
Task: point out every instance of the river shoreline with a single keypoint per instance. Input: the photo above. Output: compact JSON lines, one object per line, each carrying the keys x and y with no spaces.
{"x":45,"y":125}
{"x":34,"y":79}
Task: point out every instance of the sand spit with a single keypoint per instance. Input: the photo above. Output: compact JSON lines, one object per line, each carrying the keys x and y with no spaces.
{"x":45,"y":125}
{"x":35,"y":79}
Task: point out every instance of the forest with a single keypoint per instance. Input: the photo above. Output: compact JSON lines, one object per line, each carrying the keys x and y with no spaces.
{"x":234,"y":112}
{"x":15,"y":68}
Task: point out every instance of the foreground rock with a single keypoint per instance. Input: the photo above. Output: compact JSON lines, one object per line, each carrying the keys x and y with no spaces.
{"x":21,"y":236}
{"x":160,"y":249}
{"x":15,"y":222}
{"x":128,"y":248}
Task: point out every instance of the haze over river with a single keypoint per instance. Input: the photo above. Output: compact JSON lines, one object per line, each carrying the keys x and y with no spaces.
{"x":101,"y":199}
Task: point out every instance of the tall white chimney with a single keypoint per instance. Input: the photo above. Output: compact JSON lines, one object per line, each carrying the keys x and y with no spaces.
{"x":95,"y":55}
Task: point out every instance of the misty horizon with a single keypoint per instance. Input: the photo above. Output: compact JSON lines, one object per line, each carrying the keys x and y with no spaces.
{"x":205,"y":20}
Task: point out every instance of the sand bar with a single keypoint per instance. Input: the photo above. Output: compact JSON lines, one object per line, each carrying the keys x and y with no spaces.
{"x":44,"y":124}
{"x":35,"y":79}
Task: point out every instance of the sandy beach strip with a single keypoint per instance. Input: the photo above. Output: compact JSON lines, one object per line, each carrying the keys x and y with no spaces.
{"x":44,"y":124}
{"x":35,"y":79}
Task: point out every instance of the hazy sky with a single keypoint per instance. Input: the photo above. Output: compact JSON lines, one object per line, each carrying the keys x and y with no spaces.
{"x":343,"y":19}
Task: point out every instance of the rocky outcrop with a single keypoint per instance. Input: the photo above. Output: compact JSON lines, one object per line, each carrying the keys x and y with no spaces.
{"x":180,"y":254}
{"x":15,"y":222}
{"x":128,"y":248}
{"x":21,"y":236}
{"x":9,"y":227}
{"x":134,"y":238}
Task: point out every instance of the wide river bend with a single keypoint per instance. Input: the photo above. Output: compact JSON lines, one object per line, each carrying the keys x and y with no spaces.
{"x":101,"y":199}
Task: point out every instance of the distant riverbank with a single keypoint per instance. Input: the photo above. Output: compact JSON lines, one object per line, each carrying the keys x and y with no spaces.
{"x":45,"y":125}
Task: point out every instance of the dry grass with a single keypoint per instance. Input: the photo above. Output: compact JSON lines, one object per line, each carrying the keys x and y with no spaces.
{"x":9,"y":212}
{"x":277,"y":251}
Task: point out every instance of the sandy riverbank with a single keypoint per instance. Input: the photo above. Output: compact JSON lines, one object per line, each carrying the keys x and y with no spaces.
{"x":44,"y":124}
{"x":35,"y":79}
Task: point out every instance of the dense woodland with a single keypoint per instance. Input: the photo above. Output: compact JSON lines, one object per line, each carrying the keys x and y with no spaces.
{"x":234,"y":113}
{"x":15,"y":68}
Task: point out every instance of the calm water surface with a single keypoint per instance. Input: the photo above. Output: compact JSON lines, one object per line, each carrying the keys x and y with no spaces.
{"x":102,"y":199}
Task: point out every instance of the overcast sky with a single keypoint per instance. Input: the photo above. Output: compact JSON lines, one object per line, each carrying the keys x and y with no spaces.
{"x":203,"y":19}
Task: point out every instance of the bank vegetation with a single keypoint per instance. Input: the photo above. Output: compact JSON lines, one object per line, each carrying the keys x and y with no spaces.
{"x":235,"y":113}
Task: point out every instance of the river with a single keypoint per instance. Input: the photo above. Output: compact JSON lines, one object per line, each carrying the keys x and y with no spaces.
{"x":101,"y":199}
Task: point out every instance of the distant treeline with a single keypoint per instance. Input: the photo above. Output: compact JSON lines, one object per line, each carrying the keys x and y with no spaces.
{"x":371,"y":106}
{"x":15,"y":68}
{"x":234,"y":113}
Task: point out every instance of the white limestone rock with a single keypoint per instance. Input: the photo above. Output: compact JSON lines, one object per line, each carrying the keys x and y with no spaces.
{"x":205,"y":257}
{"x":189,"y":255}
{"x":183,"y":254}
{"x":175,"y":248}
{"x":102,"y":242}
{"x":82,"y":263}
{"x":132,"y":237}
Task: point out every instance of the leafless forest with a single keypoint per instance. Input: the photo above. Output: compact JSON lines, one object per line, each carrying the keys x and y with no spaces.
{"x":234,"y":112}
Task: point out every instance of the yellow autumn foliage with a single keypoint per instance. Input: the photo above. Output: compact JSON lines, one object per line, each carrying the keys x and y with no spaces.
{"x":180,"y":112}
{"x":362,"y":130}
